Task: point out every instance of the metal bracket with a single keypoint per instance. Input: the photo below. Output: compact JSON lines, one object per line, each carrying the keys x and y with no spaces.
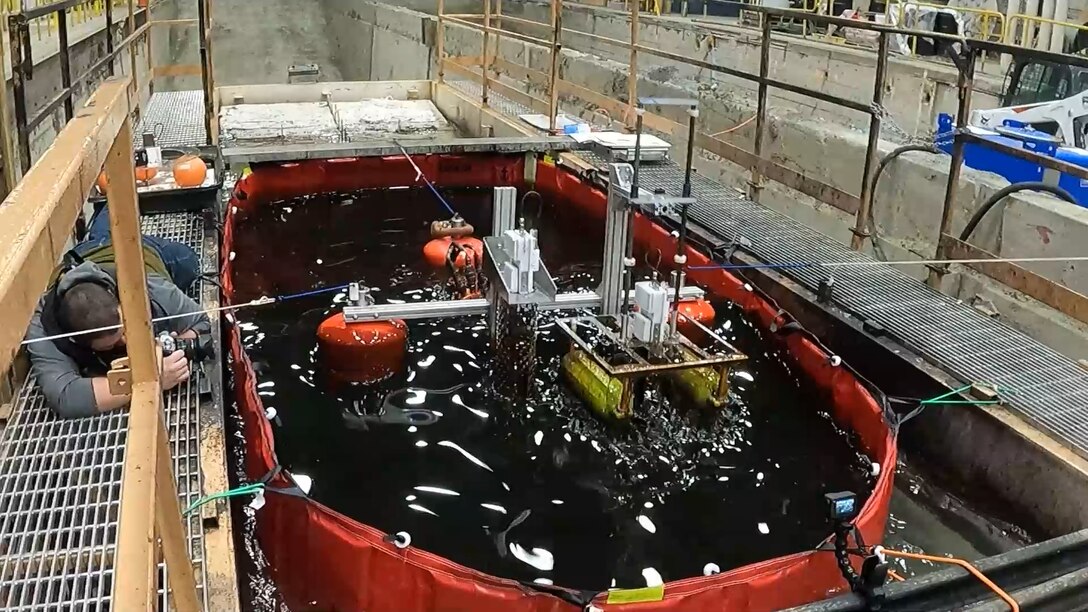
{"x":495,"y":257}
{"x":303,"y":73}
{"x":120,"y":377}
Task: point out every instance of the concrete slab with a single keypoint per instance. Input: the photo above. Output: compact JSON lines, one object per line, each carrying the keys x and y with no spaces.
{"x":376,"y":118}
{"x":288,"y":122}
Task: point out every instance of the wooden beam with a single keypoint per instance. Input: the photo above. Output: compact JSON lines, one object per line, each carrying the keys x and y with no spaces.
{"x":176,"y":70}
{"x":168,"y":522}
{"x":1053,"y":294}
{"x":128,"y":248}
{"x":38,"y":215}
{"x":134,"y":568}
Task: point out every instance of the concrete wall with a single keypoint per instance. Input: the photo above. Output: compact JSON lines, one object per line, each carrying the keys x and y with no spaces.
{"x":915,"y":90}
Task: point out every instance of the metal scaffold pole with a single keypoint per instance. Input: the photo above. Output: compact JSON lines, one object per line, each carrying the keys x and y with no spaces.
{"x":553,"y":74}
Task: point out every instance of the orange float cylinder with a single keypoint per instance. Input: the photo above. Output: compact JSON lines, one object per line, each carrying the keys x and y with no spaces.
{"x":362,"y":352}
{"x":435,"y":251}
{"x":699,"y":310}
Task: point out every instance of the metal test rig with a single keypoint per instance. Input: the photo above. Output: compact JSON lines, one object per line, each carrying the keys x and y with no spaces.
{"x":635,"y":333}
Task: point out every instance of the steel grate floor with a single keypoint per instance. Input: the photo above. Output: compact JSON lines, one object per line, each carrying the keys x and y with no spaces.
{"x":176,"y":118}
{"x":60,"y":484}
{"x":1045,"y":387}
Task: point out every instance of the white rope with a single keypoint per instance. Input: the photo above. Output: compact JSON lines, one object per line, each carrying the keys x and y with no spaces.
{"x":257,"y":302}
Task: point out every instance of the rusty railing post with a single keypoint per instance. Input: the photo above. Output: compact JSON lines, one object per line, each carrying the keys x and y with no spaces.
{"x":203,"y":19}
{"x":132,"y":49}
{"x":109,"y":34}
{"x":18,"y":34}
{"x":485,"y":64}
{"x":632,"y":65}
{"x":7,"y":152}
{"x":553,"y":73}
{"x":65,"y":61}
{"x":755,"y":185}
{"x":965,"y":63}
{"x":440,"y":41}
{"x":861,"y":230}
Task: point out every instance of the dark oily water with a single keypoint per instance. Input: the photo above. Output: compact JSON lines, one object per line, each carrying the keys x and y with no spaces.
{"x":537,"y":490}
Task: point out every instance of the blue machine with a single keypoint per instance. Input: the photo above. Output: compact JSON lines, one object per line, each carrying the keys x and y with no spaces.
{"x":1016,"y":134}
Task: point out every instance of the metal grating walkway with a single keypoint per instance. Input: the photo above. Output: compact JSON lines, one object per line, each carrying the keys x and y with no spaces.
{"x":176,"y":118}
{"x":60,"y":485}
{"x":1045,"y":387}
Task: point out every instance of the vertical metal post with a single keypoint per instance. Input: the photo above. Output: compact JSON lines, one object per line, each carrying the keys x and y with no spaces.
{"x":553,"y":75}
{"x":498,"y":35}
{"x":148,"y":52}
{"x":615,"y":239}
{"x":440,"y":42}
{"x":964,"y":83}
{"x":212,"y":108}
{"x":8,"y":146}
{"x":873,"y":148}
{"x":756,"y":184}
{"x":131,"y":27}
{"x":109,"y":34}
{"x":486,"y":65}
{"x":632,"y":63}
{"x":19,"y":32}
{"x":65,"y":61}
{"x":205,"y":63}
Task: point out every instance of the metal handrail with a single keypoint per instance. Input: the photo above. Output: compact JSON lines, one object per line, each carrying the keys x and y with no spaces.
{"x":1019,"y":25}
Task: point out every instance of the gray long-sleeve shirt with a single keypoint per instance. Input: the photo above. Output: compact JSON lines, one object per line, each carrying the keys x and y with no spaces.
{"x":66,"y":390}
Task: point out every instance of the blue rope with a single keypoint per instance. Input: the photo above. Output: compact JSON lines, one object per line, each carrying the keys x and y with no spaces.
{"x":291,"y":296}
{"x":438,"y":195}
{"x":420,"y":175}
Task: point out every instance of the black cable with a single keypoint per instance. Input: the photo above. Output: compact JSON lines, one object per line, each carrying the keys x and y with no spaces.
{"x":1009,"y":190}
{"x":884,"y":161}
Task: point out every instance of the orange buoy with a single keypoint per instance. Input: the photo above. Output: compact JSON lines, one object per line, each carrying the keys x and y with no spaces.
{"x":362,"y":352}
{"x":102,"y":182}
{"x":146,"y":173}
{"x":189,"y":171}
{"x":437,"y":249}
{"x":699,"y":310}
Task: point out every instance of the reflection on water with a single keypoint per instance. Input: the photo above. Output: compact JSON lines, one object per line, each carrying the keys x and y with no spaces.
{"x":537,"y":490}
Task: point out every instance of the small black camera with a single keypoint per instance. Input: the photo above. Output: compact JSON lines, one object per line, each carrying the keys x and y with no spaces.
{"x":196,"y":349}
{"x":842,"y":507}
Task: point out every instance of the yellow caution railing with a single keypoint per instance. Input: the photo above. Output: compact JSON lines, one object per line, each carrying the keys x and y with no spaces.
{"x":1037,"y":32}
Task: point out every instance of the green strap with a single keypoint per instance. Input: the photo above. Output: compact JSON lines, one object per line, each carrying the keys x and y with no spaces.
{"x":941,"y":399}
{"x":244,"y":490}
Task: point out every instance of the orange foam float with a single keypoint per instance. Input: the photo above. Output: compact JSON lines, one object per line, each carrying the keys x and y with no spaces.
{"x":436,"y":251}
{"x":696,"y":309}
{"x":189,"y":171}
{"x":366,"y":352}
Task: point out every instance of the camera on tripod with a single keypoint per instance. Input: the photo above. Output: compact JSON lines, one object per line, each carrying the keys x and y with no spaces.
{"x":195,"y":349}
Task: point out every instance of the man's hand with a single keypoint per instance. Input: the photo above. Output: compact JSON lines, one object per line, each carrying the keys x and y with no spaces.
{"x":175,"y":370}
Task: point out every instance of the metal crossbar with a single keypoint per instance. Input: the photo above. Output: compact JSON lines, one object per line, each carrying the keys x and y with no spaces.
{"x":1045,"y":387}
{"x":60,"y":485}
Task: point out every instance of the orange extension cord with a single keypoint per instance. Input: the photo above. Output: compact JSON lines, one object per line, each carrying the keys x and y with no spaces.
{"x":1015,"y":607}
